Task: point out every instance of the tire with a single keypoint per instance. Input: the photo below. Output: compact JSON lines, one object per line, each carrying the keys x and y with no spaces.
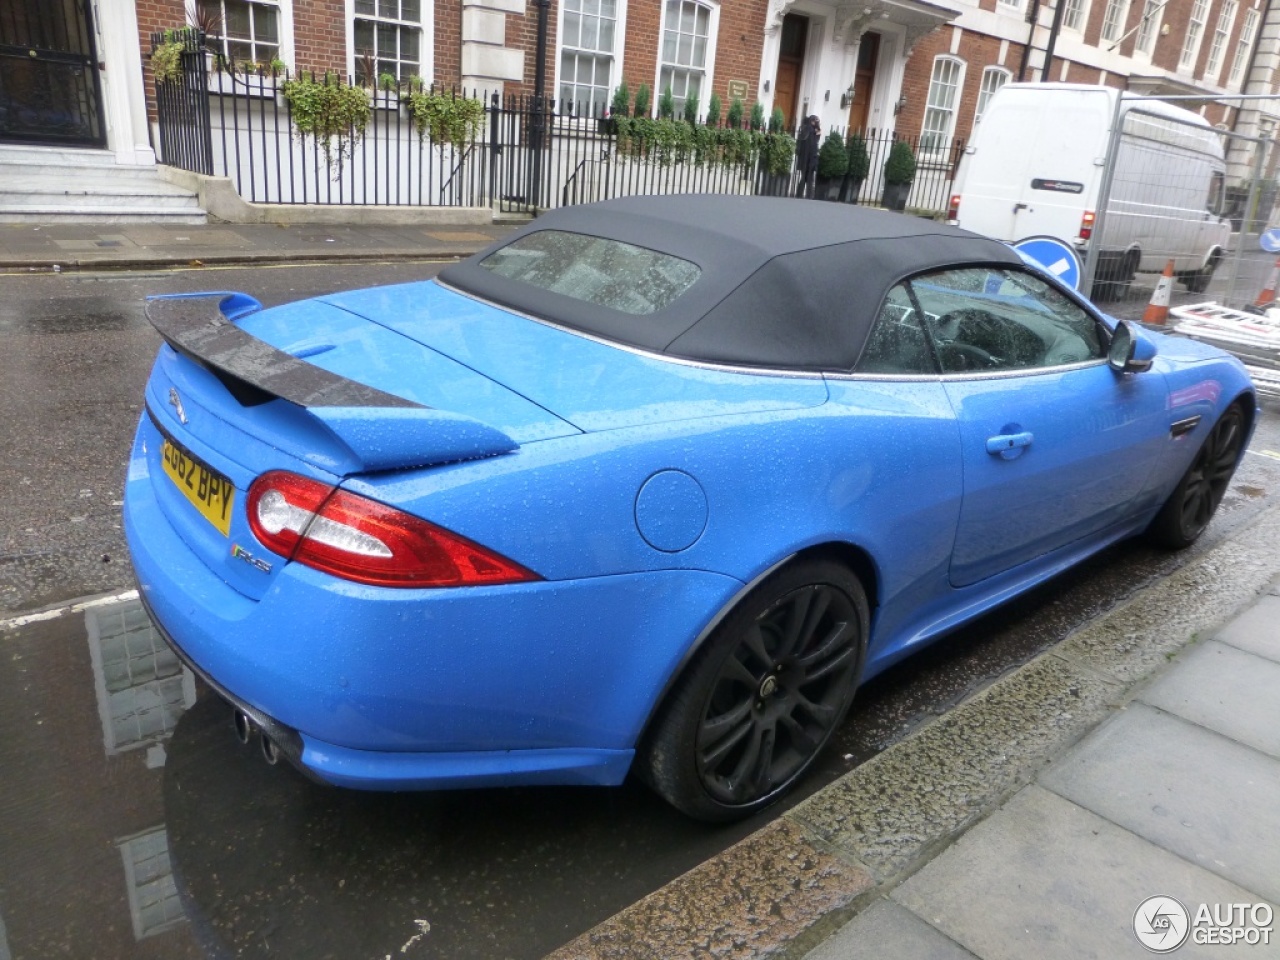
{"x":764,"y":694}
{"x":1191,"y":506}
{"x":1198,"y":280}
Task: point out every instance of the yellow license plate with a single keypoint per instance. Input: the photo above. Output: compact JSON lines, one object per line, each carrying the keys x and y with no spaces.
{"x":209,"y":491}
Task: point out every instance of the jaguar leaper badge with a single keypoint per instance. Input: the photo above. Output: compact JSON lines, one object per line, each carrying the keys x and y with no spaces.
{"x":176,"y":402}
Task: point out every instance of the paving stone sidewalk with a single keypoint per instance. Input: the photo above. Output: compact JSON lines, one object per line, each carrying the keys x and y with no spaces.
{"x":1175,"y":796}
{"x":1140,"y":757}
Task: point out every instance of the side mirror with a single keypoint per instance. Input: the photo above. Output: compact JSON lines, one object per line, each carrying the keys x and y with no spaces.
{"x":1131,"y":351}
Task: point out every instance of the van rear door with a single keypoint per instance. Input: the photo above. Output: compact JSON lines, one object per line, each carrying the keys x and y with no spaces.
{"x":1035,"y":166}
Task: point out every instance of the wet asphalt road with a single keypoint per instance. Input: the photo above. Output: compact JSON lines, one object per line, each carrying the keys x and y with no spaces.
{"x":133,"y":824}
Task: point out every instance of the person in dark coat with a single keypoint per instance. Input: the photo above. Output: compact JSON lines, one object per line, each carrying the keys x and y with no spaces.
{"x":808,"y":140}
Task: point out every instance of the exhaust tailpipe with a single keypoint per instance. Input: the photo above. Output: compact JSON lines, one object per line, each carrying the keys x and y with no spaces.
{"x":270,"y":752}
{"x":244,"y":726}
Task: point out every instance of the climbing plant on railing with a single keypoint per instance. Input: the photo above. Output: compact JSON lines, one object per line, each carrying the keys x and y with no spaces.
{"x":445,"y":118}
{"x":333,"y":112}
{"x":166,"y":56}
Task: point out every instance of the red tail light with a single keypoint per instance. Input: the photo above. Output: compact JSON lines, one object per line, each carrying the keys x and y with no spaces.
{"x":1086,"y":225}
{"x":953,"y":208}
{"x":359,"y":539}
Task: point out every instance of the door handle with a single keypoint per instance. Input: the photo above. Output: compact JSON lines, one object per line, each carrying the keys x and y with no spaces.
{"x":1009,"y":445}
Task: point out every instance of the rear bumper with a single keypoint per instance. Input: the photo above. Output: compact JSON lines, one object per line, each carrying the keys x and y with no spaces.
{"x":379,"y":688}
{"x":328,"y":763}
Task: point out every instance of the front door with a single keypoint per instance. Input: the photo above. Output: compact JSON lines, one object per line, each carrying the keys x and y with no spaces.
{"x":786,"y":82}
{"x":49,"y":91}
{"x":1056,"y":447}
{"x":863,"y":78}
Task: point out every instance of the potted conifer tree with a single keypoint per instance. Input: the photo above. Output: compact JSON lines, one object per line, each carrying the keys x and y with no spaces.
{"x":899,"y":172}
{"x":833,"y":163}
{"x":859,"y":167}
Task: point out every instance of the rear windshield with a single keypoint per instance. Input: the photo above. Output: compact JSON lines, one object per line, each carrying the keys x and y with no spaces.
{"x":605,"y":272}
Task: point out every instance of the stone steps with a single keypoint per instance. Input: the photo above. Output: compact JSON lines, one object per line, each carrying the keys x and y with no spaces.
{"x":54,"y":185}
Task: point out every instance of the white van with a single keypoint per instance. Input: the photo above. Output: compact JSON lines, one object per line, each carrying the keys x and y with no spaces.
{"x":1034,"y":168}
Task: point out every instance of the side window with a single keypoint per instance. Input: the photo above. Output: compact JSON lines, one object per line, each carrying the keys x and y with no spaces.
{"x":897,"y":343}
{"x":999,"y":318}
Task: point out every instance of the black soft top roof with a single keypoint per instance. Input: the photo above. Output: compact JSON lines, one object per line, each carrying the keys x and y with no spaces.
{"x":786,"y":284}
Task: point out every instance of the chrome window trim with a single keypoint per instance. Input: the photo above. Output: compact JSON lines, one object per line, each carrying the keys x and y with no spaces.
{"x":773,"y":371}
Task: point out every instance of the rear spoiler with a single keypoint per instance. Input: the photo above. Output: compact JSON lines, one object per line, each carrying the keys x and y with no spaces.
{"x":383,"y":431}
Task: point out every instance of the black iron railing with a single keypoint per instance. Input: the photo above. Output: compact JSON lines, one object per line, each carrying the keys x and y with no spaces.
{"x":521,"y":156}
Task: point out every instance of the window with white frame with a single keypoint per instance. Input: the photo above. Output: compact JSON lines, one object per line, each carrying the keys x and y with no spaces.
{"x":587,"y":30}
{"x":1113,"y":19}
{"x":1195,"y":33}
{"x":940,"y":108}
{"x":388,"y":39}
{"x":1243,"y":45}
{"x":1149,"y":25}
{"x":1011,"y":4}
{"x":993,"y":78}
{"x":247,"y":31}
{"x":686,"y":44}
{"x":1073,"y":14}
{"x":154,"y":903}
{"x":1221,"y":34}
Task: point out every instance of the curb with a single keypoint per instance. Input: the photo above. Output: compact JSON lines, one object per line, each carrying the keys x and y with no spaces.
{"x":86,"y":265}
{"x":790,"y":885}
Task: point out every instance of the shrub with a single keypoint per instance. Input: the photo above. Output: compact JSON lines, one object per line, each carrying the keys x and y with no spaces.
{"x":757,"y":116}
{"x":859,"y":159}
{"x":777,"y":151}
{"x":900,"y":168}
{"x":735,"y":113}
{"x":667,"y":105}
{"x":166,"y":58}
{"x":691,"y":109}
{"x":713,"y":110}
{"x":833,"y":160}
{"x":446,"y":118}
{"x":621,"y":104}
{"x":777,"y":121}
{"x":642,"y":101}
{"x":331,"y":111}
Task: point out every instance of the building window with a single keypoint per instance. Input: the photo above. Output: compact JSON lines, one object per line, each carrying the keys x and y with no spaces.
{"x":1221,"y":34}
{"x":142,"y":686}
{"x":1195,"y":31}
{"x":1073,"y":14}
{"x":388,"y":38}
{"x":1243,"y":45}
{"x":940,"y":110}
{"x":1149,"y":26}
{"x":249,"y":30}
{"x":153,"y":894}
{"x":587,"y":33}
{"x":687,"y":40}
{"x":993,"y":78}
{"x":1011,"y":4}
{"x":1113,"y":19}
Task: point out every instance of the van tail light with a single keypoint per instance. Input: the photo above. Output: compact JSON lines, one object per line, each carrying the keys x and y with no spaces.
{"x":1086,"y":225}
{"x":953,"y":208}
{"x":355,"y":538}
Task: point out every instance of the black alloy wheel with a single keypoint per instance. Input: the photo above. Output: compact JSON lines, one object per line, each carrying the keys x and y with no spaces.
{"x":763,"y":696}
{"x":1193,"y":502}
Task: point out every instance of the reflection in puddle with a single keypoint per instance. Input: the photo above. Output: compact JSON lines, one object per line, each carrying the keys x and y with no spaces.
{"x":87,"y":709}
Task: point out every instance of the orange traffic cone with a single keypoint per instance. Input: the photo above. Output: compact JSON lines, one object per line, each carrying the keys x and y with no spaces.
{"x":1268,"y":295}
{"x":1158,"y":308}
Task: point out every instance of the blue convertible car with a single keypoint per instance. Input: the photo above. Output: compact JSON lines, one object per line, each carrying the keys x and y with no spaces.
{"x":651,"y":484}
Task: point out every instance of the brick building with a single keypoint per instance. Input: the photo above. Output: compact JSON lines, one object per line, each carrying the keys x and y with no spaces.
{"x":915,"y":67}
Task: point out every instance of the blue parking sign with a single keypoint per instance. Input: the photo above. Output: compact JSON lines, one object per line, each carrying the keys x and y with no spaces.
{"x":1051,"y":254}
